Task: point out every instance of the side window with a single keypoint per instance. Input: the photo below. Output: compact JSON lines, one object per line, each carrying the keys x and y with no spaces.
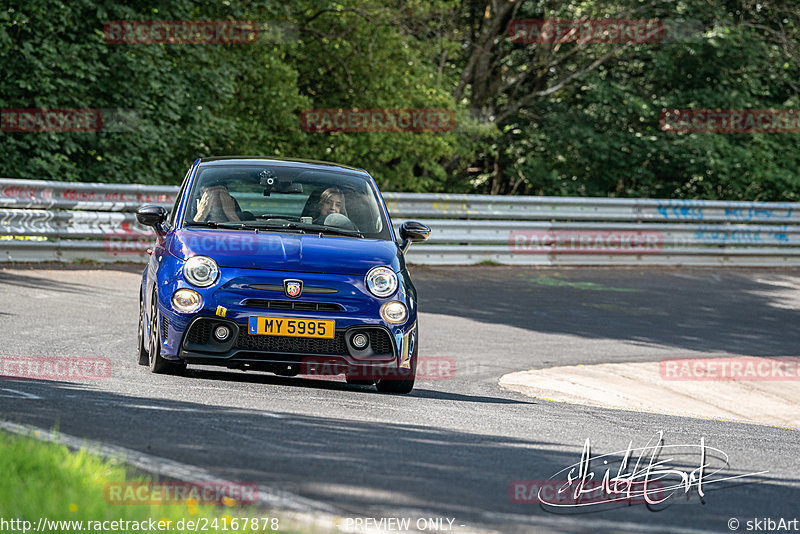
{"x":178,"y":200}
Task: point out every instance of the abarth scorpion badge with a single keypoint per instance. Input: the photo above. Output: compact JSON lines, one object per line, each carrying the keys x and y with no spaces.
{"x":293,"y":288}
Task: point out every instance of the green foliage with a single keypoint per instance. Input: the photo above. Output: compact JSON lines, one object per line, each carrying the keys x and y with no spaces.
{"x":191,"y":101}
{"x":47,"y":480}
{"x":600,"y":135}
{"x":532,"y":118}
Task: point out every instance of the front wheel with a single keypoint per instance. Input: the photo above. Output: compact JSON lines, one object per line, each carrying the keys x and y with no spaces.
{"x":402,"y":382}
{"x":143,"y":358}
{"x":157,"y":363}
{"x":397,"y":385}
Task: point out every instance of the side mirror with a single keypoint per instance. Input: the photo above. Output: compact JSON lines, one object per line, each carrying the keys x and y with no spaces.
{"x":413,"y":232}
{"x":152,"y":215}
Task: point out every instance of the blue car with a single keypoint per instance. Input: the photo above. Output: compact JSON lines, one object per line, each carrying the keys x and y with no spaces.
{"x":285,"y":266}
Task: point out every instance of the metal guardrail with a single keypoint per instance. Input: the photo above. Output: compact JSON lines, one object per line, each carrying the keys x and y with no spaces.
{"x":82,"y":196}
{"x":64,"y":221}
{"x":589,"y":209}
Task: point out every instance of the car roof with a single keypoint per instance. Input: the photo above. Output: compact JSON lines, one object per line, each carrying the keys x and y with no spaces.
{"x":302,"y":163}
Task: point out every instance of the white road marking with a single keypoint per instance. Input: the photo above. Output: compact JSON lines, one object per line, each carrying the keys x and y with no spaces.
{"x":645,"y":387}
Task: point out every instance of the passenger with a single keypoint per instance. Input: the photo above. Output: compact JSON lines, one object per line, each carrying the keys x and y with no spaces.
{"x":330,"y":201}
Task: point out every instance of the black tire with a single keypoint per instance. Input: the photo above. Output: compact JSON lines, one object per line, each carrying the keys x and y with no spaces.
{"x":158,"y":364}
{"x":403,"y":381}
{"x":142,"y":356}
{"x":396,"y":385}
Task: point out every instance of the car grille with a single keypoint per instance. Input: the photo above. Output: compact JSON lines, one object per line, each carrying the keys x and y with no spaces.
{"x":380,"y":341}
{"x":164,"y":326}
{"x":292,"y":345}
{"x":297,"y":305}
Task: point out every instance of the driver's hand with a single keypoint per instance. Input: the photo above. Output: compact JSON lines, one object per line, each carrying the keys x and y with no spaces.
{"x":204,"y":205}
{"x":228,"y":204}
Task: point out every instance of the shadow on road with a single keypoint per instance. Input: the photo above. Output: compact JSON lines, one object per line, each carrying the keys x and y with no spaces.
{"x":338,"y":384}
{"x":728,"y":310}
{"x":361,"y":467}
{"x":15,"y":277}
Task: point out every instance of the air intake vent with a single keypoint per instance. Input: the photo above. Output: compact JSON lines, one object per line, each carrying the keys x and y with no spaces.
{"x":292,"y":345}
{"x":200,"y":333}
{"x":296,"y":305}
{"x":380,"y":342}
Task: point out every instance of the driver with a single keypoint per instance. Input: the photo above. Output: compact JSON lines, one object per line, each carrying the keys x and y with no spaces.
{"x":216,"y":204}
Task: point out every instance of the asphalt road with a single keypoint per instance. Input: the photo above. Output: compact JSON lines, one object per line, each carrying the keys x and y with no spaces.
{"x":452,"y":447}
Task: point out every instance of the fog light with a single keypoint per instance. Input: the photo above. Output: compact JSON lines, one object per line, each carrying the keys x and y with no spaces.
{"x":394,"y":312}
{"x":222,"y":333}
{"x":187,"y":300}
{"x":360,"y":341}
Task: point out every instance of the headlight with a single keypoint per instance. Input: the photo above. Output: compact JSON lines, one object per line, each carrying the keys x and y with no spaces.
{"x":187,"y":300}
{"x":200,"y":271}
{"x":381,"y":281}
{"x":394,"y":312}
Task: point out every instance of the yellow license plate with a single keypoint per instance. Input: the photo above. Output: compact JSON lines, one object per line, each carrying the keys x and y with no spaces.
{"x":281,"y":326}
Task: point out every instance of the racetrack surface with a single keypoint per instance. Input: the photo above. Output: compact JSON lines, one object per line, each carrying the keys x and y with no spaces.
{"x":453,"y":446}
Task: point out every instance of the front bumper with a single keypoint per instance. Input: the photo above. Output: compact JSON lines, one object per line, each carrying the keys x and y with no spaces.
{"x":200,"y":346}
{"x":233,"y":301}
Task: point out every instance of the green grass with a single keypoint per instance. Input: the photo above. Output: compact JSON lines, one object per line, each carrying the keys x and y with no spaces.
{"x":44,"y":479}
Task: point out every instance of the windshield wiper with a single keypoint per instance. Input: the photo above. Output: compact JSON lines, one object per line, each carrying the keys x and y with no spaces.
{"x":286,"y":226}
{"x":324,"y":229}
{"x":210,"y":224}
{"x":308,"y":227}
{"x":244,"y":225}
{"x":342,"y":231}
{"x":293,"y":227}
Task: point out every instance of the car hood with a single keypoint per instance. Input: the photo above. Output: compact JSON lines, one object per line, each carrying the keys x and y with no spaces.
{"x":285,"y":252}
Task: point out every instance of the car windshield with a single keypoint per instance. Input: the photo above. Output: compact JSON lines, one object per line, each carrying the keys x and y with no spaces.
{"x":285,"y":198}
